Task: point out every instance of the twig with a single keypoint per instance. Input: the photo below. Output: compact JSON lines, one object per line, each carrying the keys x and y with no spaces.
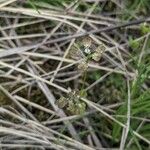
{"x":100,"y":30}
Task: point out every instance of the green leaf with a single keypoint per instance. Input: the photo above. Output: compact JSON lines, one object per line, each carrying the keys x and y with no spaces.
{"x":33,"y":5}
{"x":134,"y":44}
{"x":145,"y":28}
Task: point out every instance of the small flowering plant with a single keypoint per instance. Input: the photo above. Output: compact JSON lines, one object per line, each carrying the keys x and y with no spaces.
{"x":86,"y":50}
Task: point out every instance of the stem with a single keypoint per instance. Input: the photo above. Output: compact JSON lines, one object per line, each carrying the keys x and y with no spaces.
{"x":84,"y":77}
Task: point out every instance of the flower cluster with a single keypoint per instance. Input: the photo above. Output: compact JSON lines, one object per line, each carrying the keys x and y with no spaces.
{"x":72,"y":103}
{"x":86,"y":50}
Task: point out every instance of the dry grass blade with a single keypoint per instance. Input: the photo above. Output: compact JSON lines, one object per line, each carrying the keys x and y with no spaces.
{"x":7,"y":3}
{"x":74,"y":75}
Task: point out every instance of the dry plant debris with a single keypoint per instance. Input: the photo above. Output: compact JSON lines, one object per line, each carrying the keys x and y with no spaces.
{"x":74,"y":75}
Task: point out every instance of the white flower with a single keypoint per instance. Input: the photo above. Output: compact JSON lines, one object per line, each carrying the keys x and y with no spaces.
{"x":87,"y":50}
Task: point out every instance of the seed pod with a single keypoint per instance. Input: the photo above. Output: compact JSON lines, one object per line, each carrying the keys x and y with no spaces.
{"x":75,"y":53}
{"x":87,"y":41}
{"x":76,"y":108}
{"x":62,"y":102}
{"x":96,"y":56}
{"x":98,"y":52}
{"x":80,"y":108}
{"x":100,"y":49}
{"x":83,"y":66}
{"x":71,"y":107}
